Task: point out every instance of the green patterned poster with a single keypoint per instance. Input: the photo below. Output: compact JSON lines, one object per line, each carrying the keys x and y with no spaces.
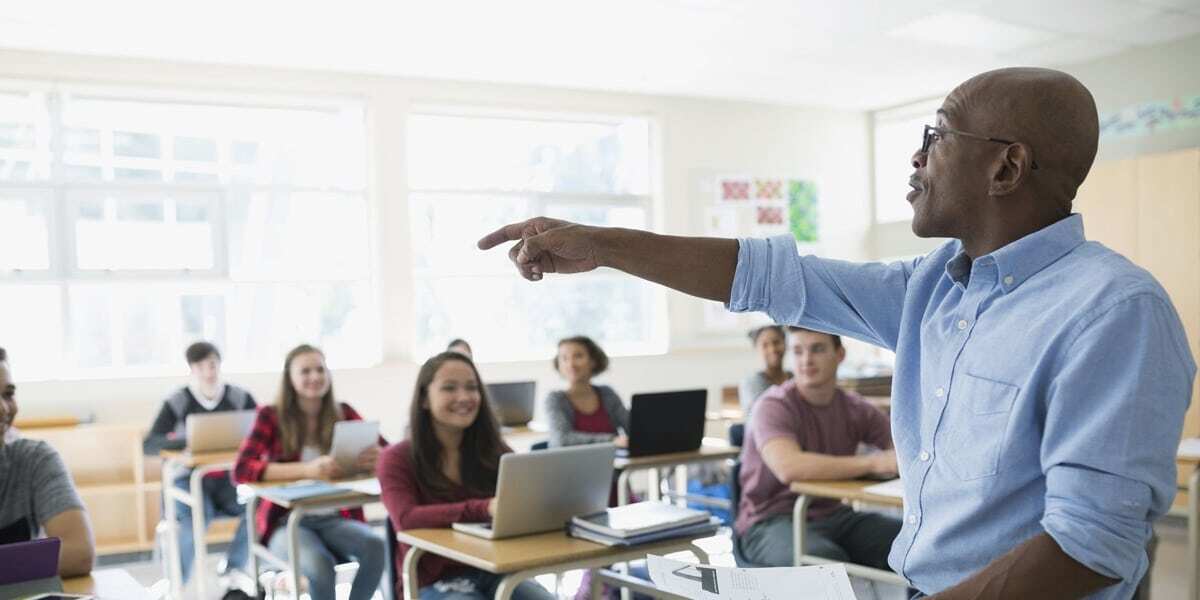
{"x":802,"y":210}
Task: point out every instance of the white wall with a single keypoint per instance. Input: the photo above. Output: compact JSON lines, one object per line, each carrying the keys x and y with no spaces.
{"x":697,"y":136}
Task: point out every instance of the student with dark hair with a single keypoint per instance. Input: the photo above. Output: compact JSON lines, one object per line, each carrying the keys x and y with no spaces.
{"x":37,"y":496}
{"x":292,"y":440}
{"x":460,"y":346}
{"x":205,"y":393}
{"x":584,"y":413}
{"x":445,"y":472}
{"x":770,"y":343}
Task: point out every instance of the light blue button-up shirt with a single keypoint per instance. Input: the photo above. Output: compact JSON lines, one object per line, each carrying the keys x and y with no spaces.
{"x":1038,"y":388}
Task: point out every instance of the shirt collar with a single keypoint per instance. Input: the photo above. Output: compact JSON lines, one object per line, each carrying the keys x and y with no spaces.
{"x":208,"y":403}
{"x":1022,"y":259}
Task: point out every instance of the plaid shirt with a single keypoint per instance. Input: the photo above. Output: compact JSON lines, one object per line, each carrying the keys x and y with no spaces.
{"x":264,"y":446}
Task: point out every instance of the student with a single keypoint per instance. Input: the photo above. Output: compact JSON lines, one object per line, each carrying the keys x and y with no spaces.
{"x":205,"y":393}
{"x":769,"y":341}
{"x":37,"y":496}
{"x":291,"y":440}
{"x":445,"y":472}
{"x":584,"y":413}
{"x":460,"y":346}
{"x":809,"y":429}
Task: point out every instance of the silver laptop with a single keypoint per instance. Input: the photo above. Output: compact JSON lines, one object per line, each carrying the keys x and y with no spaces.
{"x":218,"y":431}
{"x":513,"y":402}
{"x":541,"y":491}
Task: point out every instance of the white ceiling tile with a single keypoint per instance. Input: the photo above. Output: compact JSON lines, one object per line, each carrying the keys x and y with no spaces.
{"x":1068,"y":16}
{"x":1164,"y":27}
{"x":967,"y":30}
{"x":1065,"y":51}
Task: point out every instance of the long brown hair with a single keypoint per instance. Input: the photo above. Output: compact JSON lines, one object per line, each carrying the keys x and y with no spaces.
{"x":481,"y":443}
{"x":292,"y":425}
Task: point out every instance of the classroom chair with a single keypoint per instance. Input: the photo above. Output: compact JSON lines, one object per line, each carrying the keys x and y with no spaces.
{"x":737,"y":434}
{"x":735,"y":494}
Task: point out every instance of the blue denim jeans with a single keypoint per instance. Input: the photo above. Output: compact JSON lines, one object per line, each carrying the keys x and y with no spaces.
{"x":480,"y":585}
{"x":325,"y":541}
{"x":220,"y":499}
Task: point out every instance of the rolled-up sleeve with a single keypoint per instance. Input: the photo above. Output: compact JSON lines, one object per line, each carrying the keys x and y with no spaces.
{"x":1114,"y":413}
{"x":861,"y":300}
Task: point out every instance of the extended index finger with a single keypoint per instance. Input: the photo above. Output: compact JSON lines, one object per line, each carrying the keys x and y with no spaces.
{"x":508,"y":233}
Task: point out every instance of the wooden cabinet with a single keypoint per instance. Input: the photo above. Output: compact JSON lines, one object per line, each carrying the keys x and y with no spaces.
{"x":1148,"y":209}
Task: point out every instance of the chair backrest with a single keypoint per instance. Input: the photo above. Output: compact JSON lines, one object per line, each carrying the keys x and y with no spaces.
{"x":389,"y":554}
{"x":737,"y":434}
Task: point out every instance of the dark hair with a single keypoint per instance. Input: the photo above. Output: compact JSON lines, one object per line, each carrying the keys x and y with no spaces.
{"x":599,"y":358}
{"x":482,"y":445}
{"x":292,"y":426}
{"x":837,"y":339}
{"x":757,"y":331}
{"x":458,"y":342}
{"x":200,"y":351}
{"x":3,"y":355}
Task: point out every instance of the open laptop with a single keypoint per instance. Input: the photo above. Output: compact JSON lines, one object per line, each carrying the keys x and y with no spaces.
{"x":29,"y":568}
{"x":513,"y":402}
{"x":541,"y":491}
{"x":218,"y":431}
{"x":666,"y":422}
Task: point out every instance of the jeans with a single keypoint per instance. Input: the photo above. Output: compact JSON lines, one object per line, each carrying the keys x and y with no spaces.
{"x":845,"y":536}
{"x":325,"y":541}
{"x":480,"y":585}
{"x":220,"y":499}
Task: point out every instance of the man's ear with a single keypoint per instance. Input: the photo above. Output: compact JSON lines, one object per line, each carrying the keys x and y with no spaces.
{"x":1009,"y":170}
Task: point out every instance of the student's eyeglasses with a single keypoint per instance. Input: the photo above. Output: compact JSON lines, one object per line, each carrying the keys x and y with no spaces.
{"x":933,"y":134}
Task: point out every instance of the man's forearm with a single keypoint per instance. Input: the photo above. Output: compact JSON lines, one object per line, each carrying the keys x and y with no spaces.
{"x":1036,"y":570}
{"x":697,"y":266}
{"x":810,"y":466}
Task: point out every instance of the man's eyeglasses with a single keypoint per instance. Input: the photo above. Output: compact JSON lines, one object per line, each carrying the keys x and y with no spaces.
{"x":933,"y":134}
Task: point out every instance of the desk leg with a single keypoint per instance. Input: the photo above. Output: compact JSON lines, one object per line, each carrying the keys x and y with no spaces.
{"x":171,"y":516}
{"x":655,"y":485}
{"x":596,"y":587}
{"x":199,"y":530}
{"x":681,"y":484}
{"x":1194,"y":534}
{"x":623,"y":488}
{"x":293,"y":527}
{"x":701,"y":555}
{"x":799,"y":521}
{"x":252,"y":558}
{"x":411,"y":589}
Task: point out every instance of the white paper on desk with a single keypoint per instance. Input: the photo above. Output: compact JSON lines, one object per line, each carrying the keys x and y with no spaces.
{"x":704,"y":582}
{"x":893,"y":488}
{"x":369,"y":486}
{"x":1189,"y":448}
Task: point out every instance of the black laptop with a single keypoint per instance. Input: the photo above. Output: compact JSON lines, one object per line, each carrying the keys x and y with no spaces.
{"x":666,"y":422}
{"x":513,"y":402}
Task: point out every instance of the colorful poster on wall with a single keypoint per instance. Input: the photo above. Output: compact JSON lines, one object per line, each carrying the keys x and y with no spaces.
{"x":767,"y":206}
{"x":1149,"y":118}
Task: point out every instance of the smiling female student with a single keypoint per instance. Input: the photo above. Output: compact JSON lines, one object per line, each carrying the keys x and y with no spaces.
{"x":445,"y":472}
{"x":291,"y":440}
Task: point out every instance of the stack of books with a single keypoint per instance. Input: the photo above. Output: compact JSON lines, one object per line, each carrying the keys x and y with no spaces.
{"x":642,"y":522}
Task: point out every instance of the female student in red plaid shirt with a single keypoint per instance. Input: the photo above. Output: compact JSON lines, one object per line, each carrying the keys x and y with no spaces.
{"x":445,"y":472}
{"x":291,"y":440}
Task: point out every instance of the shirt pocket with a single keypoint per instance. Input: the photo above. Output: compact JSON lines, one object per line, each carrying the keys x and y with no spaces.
{"x":976,"y":424}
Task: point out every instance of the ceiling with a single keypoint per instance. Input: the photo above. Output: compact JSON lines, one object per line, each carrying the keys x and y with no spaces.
{"x":852,"y":54}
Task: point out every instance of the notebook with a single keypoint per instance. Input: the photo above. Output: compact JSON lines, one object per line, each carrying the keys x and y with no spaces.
{"x":639,"y":519}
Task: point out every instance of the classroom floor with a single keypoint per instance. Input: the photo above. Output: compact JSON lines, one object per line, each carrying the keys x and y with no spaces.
{"x":1168,"y":579}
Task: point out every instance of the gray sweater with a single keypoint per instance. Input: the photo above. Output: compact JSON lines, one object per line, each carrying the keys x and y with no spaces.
{"x":751,"y":388}
{"x":561,"y":415}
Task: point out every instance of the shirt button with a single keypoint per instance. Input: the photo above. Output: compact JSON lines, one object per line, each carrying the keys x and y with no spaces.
{"x":912,"y":519}
{"x":1008,"y":279}
{"x":924,"y":456}
{"x":939,"y":392}
{"x":962,"y":324}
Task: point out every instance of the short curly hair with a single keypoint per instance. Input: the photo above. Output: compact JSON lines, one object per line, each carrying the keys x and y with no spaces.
{"x":599,"y":358}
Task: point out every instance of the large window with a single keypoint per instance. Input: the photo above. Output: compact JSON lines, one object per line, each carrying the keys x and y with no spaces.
{"x":897,"y":135}
{"x":132,"y":223}
{"x":470,"y":173}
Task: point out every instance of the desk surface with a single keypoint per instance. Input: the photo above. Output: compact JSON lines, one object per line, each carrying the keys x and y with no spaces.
{"x":347,"y":498}
{"x":851,"y":489}
{"x":107,"y":584}
{"x":711,"y":449}
{"x":519,"y":553}
{"x":201,"y":459}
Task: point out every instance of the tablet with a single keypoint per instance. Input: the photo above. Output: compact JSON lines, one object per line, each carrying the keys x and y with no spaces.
{"x":350,"y":438}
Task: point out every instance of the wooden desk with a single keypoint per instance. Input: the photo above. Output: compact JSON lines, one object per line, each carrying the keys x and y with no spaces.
{"x":1193,"y":523}
{"x":711,"y":450}
{"x":525,"y":557}
{"x":298,"y":508}
{"x":201,"y":464}
{"x":521,"y":439}
{"x":107,"y":584}
{"x":839,"y":490}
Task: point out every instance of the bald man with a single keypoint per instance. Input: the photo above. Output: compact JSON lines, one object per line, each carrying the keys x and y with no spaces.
{"x":1041,"y":379}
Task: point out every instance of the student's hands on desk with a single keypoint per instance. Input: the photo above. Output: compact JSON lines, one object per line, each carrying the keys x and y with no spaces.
{"x":884,"y":463}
